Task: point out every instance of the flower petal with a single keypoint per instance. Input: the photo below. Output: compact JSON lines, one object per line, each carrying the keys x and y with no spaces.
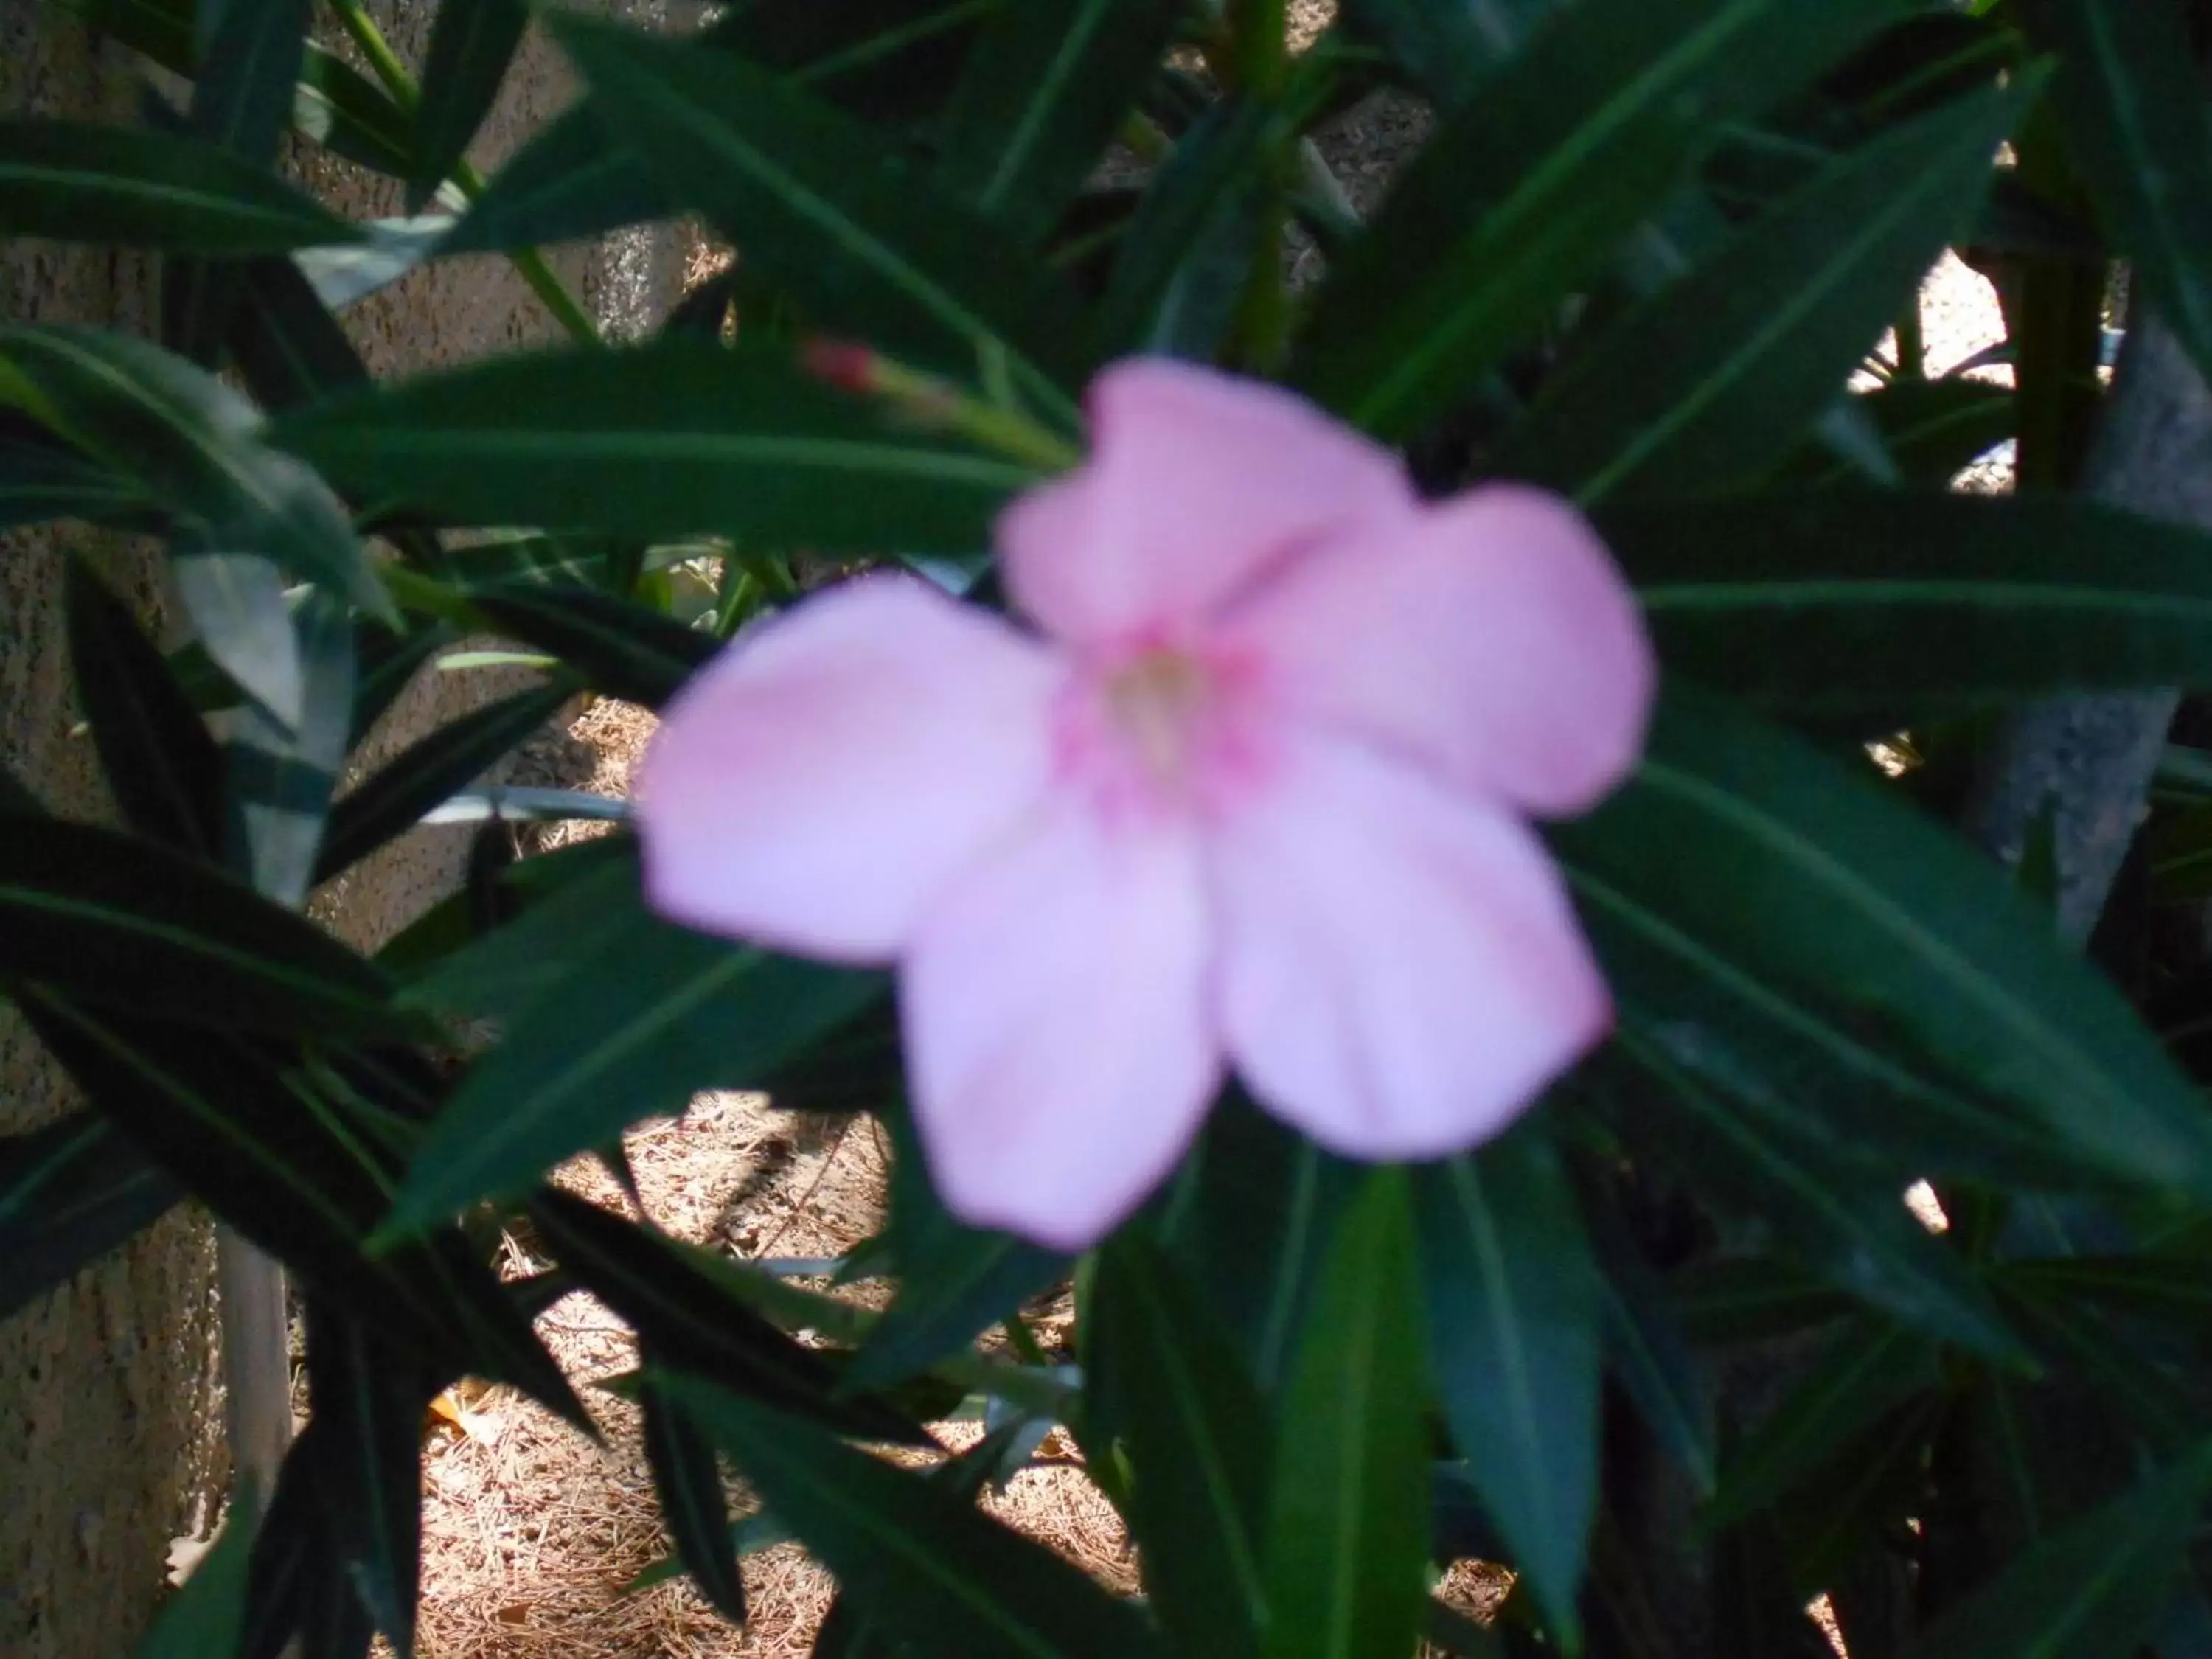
{"x":1495,"y":641}
{"x":817,"y":785}
{"x":1197,"y":481}
{"x":1057,"y":1039}
{"x":1401,"y":973}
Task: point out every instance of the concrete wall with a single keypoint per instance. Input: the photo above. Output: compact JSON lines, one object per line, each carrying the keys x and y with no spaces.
{"x":109,"y":1440}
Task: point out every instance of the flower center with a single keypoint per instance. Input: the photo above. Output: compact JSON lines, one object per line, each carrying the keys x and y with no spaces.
{"x":1159,"y":700}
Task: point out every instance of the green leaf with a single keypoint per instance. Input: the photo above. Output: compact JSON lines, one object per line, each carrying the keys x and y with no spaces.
{"x":693,"y":1505}
{"x":248,"y":77}
{"x":894,"y":62}
{"x":1649,"y":1354}
{"x":2127,"y":93}
{"x":588,"y":897}
{"x":354,"y":117}
{"x":1851,"y":602}
{"x":654,"y":1016}
{"x":1187,"y":254}
{"x":1751,"y":1299}
{"x":87,"y":182}
{"x":1347,"y":1535}
{"x":1713,"y":378}
{"x":117,"y":922}
{"x":239,"y":607}
{"x":1514,"y":1305}
{"x":1528,"y":192}
{"x":368,"y":1395}
{"x":471,"y":45}
{"x":279,"y":776}
{"x":334,"y":104}
{"x":274,"y":1145}
{"x":1249,"y":1217}
{"x":242,"y":101}
{"x":870,"y":247}
{"x":298,"y":1582}
{"x":2088,"y":1590}
{"x":1198,"y":1445}
{"x":955,"y":1281}
{"x":1932,"y":429}
{"x":209,"y":1614}
{"x":1870,"y":1367}
{"x":191,"y":443}
{"x":1844,"y":1217}
{"x":923,"y":1562}
{"x":574,"y":180}
{"x":619,"y":649}
{"x":1447,"y":50}
{"x":70,"y":1193}
{"x":1045,"y":91}
{"x":744,"y":443}
{"x":1742,"y":872}
{"x":433,"y":768}
{"x":41,"y":479}
{"x":688,"y":1317}
{"x":160,"y":763}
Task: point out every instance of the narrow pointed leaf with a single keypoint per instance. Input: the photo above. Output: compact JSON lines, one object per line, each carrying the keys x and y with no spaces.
{"x":333,"y":104}
{"x":1249,"y":1218}
{"x":1871,"y":1366}
{"x":657,"y":1014}
{"x":369,"y":1395}
{"x":693,"y":1505}
{"x":1649,"y":1354}
{"x":1712,"y":377}
{"x":619,"y":649}
{"x":1514,"y":1314}
{"x":1446,"y":49}
{"x":2133,"y":109}
{"x":248,"y":75}
{"x":744,"y":443}
{"x":1740,"y":869}
{"x":1531,"y":189}
{"x":123,"y":923}
{"x":1346,"y":1548}
{"x":41,"y":478}
{"x":161,"y":763}
{"x":2090,"y":1589}
{"x":99,"y":183}
{"x":241,"y":612}
{"x":871,"y":248}
{"x":1185,"y":258}
{"x":955,"y":1281}
{"x":471,"y":45}
{"x":434,"y":767}
{"x":574,"y":180}
{"x":1932,"y":430}
{"x":1845,"y":1218}
{"x":1855,"y":601}
{"x":955,"y":1583}
{"x":1046,"y":87}
{"x":191,"y":443}
{"x":279,"y":776}
{"x":209,"y":1614}
{"x":249,"y":1128}
{"x":1199,"y":1449}
{"x":688,"y":1317}
{"x":70,"y":1193}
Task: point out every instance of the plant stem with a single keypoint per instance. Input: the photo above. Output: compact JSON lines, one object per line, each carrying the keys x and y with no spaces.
{"x":397,"y":81}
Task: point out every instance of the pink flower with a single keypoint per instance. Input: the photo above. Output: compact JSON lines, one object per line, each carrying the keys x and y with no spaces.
{"x":1253,"y":794}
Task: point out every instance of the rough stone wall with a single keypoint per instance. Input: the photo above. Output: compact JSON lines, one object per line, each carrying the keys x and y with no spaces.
{"x":109,"y":1415}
